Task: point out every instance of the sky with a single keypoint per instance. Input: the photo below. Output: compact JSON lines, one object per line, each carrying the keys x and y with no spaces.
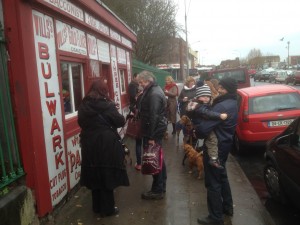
{"x":226,"y":29}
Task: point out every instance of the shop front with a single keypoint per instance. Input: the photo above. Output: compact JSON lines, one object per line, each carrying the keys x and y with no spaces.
{"x":57,"y":48}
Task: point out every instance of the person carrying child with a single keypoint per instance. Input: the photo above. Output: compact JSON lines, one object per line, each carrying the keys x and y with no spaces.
{"x":201,"y":109}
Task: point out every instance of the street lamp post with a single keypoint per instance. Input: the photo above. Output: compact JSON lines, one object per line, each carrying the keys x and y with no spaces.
{"x":288,"y":59}
{"x":186,"y":38}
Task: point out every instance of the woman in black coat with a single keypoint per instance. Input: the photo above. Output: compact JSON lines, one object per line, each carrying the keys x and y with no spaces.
{"x":102,"y":167}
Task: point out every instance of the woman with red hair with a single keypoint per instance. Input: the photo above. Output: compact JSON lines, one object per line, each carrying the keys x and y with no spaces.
{"x":102,"y":167}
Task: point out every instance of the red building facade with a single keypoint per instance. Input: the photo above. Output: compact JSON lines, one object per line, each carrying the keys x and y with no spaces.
{"x":56,"y":49}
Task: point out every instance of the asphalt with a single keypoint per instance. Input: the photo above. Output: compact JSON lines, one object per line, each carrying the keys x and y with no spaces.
{"x":184,"y":201}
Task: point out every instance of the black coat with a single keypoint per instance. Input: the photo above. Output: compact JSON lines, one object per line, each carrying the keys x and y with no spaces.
{"x":152,"y":112}
{"x":102,"y":165}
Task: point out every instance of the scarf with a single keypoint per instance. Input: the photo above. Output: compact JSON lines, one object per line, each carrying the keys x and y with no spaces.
{"x":169,"y":86}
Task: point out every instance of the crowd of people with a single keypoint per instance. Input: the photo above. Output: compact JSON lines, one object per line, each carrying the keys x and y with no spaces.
{"x":210,"y":104}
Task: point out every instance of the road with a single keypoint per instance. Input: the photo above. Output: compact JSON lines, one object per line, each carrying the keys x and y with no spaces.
{"x":252,"y":162}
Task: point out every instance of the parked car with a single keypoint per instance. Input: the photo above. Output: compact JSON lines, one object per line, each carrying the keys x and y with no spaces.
{"x":281,"y":173}
{"x":296,"y":78}
{"x":280,"y":77}
{"x":290,"y":76}
{"x":272,"y":76}
{"x":264,"y":112}
{"x":262,"y":75}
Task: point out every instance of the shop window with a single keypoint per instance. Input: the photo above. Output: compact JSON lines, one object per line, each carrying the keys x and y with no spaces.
{"x":72,"y":87}
{"x":122,"y":81}
{"x":94,"y":68}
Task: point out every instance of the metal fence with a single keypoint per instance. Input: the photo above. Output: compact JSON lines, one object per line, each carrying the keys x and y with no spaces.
{"x":10,"y":164}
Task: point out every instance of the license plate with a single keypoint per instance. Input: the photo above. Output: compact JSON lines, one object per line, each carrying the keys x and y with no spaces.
{"x":280,"y":123}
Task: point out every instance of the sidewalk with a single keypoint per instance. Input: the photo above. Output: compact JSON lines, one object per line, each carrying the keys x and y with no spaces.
{"x":184,"y":202}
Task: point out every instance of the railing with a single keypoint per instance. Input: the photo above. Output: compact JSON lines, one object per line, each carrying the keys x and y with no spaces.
{"x":10,"y":164}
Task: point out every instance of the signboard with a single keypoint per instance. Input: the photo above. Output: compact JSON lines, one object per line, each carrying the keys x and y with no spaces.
{"x":51,"y":105}
{"x":90,"y":20}
{"x":115,"y":76}
{"x":103,"y":51}
{"x":74,"y":159}
{"x":92,"y":47}
{"x":70,"y":39}
{"x":121,"y":56}
{"x":67,"y":7}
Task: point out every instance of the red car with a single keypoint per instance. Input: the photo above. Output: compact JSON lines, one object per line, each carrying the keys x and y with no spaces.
{"x":264,"y":112}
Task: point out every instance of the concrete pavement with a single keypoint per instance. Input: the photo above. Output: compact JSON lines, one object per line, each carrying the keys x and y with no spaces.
{"x":184,"y":202}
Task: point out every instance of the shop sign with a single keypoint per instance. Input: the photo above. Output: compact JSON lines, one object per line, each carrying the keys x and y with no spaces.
{"x":70,"y":39}
{"x":67,"y":7}
{"x":90,"y":20}
{"x":121,"y":56}
{"x":50,"y":103}
{"x":92,"y":47}
{"x":126,"y":42}
{"x":116,"y":81}
{"x":128,"y":67}
{"x":103,"y":51}
{"x":74,"y":160}
{"x":115,"y":35}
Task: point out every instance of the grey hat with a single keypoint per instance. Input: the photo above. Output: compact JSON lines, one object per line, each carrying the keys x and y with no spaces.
{"x":203,"y":90}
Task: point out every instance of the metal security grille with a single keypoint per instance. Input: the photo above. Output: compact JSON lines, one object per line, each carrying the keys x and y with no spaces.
{"x":10,"y":165}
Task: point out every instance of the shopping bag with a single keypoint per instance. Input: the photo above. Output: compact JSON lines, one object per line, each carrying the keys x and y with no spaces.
{"x":133,"y":127}
{"x":152,"y":159}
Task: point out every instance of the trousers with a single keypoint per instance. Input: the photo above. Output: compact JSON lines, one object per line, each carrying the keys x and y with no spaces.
{"x":219,"y":197}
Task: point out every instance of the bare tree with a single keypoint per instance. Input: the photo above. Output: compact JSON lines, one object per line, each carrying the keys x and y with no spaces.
{"x":255,"y":58}
{"x":154,"y":23}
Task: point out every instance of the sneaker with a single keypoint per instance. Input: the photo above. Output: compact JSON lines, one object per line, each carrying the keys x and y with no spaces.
{"x":215,"y":163}
{"x":138,"y":167}
{"x":152,"y":196}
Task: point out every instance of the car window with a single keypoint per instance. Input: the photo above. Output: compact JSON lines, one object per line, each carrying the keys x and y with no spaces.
{"x":274,"y":103}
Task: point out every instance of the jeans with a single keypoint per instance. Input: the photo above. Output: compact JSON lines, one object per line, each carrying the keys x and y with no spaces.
{"x":160,"y":179}
{"x":219,"y":196}
{"x":138,"y":151}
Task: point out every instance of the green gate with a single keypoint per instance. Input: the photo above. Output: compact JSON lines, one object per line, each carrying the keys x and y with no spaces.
{"x":160,"y":75}
{"x":10,"y":164}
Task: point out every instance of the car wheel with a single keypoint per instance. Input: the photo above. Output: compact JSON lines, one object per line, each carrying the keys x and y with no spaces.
{"x":271,"y":177}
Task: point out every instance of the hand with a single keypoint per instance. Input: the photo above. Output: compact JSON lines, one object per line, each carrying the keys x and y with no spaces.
{"x":223,"y":116}
{"x":185,"y":99}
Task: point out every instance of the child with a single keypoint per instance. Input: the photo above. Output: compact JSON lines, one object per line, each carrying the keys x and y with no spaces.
{"x":201,"y":110}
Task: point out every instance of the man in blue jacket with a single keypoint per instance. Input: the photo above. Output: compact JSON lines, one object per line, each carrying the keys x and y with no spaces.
{"x":219,"y":198}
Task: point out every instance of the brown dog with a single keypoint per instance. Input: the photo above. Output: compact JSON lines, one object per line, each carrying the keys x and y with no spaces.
{"x":195,"y":159}
{"x":183,"y":124}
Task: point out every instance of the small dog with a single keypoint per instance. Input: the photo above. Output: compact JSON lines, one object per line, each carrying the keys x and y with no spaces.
{"x":185,"y":125}
{"x":195,"y":159}
{"x":127,"y":155}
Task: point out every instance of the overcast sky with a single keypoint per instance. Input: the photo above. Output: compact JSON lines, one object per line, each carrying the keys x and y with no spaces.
{"x":226,"y":29}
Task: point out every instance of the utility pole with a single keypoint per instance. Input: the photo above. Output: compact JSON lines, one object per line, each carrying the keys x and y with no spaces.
{"x":187,"y":45}
{"x":288,"y":59}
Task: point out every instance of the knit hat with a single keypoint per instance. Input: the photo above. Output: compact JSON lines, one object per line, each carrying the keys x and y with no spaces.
{"x":204,"y":90}
{"x":229,"y":84}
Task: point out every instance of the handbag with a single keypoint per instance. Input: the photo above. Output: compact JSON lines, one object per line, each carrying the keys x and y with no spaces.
{"x":152,"y":159}
{"x":134,"y":127}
